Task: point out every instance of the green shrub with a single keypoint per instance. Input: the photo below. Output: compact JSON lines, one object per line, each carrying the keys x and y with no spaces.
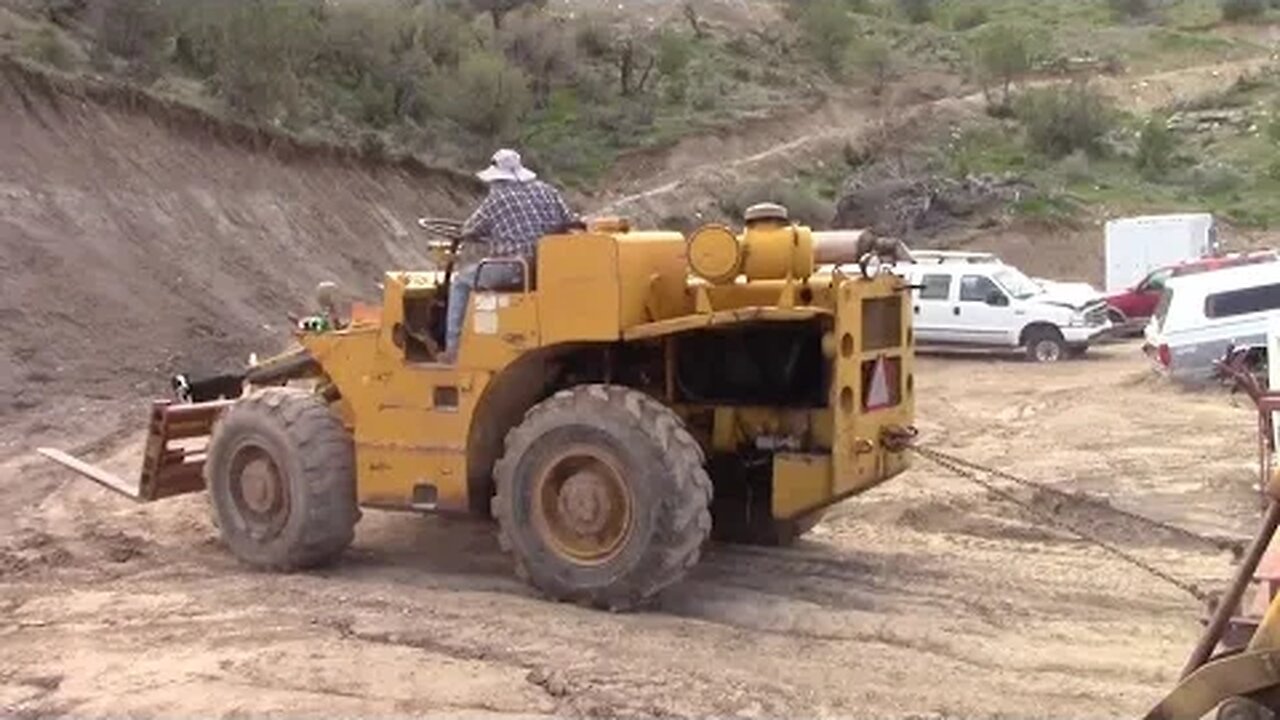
{"x":595,"y":38}
{"x":827,"y":31}
{"x":1237,"y":10}
{"x":1001,"y":55}
{"x":1062,"y":120}
{"x":802,"y":202}
{"x":675,"y":51}
{"x":49,"y":47}
{"x":1215,"y":178}
{"x":873,"y":59}
{"x":542,"y":48}
{"x":1129,"y":9}
{"x":1156,"y":145}
{"x":487,"y":95}
{"x":916,"y":11}
{"x":260,"y":47}
{"x":968,"y":17}
{"x":135,"y":30}
{"x":1076,"y":167}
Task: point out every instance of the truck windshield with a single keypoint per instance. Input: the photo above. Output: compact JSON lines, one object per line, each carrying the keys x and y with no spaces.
{"x":1020,"y":286}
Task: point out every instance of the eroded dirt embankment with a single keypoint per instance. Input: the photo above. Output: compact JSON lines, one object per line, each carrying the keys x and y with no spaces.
{"x":138,"y":238}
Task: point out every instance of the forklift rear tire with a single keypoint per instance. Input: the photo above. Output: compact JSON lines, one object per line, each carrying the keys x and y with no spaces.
{"x":281,"y":479}
{"x":602,"y":497}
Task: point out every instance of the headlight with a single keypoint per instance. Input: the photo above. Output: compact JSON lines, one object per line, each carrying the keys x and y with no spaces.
{"x":1077,"y":318}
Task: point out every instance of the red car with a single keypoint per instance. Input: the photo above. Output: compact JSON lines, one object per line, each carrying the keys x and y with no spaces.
{"x":1131,"y":309}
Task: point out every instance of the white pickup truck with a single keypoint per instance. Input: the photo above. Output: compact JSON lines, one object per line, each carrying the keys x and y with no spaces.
{"x":994,"y":305}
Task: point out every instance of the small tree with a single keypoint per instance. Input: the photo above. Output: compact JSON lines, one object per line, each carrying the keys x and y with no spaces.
{"x":1062,"y":120}
{"x":542,"y":47}
{"x":1002,"y":55}
{"x":695,"y":22}
{"x":1237,"y":10}
{"x":827,"y":32}
{"x":1129,"y":9}
{"x":674,"y":54}
{"x":1156,"y":145}
{"x":258,"y":48}
{"x":635,"y":62}
{"x":916,"y":11}
{"x":498,"y":9}
{"x":131,"y":29}
{"x":875,"y":59}
{"x":487,"y":94}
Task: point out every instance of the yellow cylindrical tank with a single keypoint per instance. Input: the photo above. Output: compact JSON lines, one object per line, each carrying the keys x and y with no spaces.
{"x":770,"y":248}
{"x":715,"y":254}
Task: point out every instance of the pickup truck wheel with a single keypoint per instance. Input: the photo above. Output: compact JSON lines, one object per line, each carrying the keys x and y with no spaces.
{"x":1045,"y":345}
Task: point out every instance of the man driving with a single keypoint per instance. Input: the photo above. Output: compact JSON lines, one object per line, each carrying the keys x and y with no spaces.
{"x":518,"y":210}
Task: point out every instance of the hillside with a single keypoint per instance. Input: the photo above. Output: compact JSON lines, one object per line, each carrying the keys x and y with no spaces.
{"x":139,"y":239}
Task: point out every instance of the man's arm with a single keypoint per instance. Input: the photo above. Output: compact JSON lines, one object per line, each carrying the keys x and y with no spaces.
{"x":567,"y":216}
{"x":480,"y":222}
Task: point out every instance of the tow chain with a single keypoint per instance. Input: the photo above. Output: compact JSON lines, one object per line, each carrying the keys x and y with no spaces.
{"x":974,"y":473}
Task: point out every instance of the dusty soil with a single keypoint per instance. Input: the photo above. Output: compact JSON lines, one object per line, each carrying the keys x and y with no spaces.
{"x":924,"y":597}
{"x":133,"y":244}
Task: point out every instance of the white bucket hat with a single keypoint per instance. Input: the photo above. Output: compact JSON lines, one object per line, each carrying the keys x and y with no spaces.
{"x":506,"y":166}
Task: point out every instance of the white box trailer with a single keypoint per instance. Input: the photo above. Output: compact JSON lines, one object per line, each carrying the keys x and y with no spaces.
{"x":1136,"y":246}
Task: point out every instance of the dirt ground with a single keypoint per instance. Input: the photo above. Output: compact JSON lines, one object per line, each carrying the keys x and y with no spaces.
{"x":924,"y":598}
{"x":133,"y":244}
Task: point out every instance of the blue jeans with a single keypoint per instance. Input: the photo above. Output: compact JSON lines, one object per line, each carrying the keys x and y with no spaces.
{"x":460,"y":288}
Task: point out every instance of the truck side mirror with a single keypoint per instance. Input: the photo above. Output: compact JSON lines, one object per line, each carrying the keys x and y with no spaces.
{"x":995,"y":298}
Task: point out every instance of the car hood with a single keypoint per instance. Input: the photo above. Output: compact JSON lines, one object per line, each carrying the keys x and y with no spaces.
{"x":1075,"y":295}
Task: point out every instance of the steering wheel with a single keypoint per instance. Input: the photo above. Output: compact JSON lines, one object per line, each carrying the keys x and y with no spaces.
{"x":450,"y":231}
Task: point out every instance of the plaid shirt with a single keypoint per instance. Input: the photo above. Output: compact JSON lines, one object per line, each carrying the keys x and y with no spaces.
{"x":512,"y":219}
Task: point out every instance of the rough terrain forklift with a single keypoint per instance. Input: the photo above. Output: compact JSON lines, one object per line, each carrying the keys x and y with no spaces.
{"x":632,"y":393}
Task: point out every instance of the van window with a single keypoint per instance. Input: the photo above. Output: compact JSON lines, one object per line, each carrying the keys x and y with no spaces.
{"x":935,"y":287}
{"x":1242,"y":302}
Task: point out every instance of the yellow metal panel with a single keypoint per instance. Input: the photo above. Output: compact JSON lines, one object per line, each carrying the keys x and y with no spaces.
{"x":720,"y":319}
{"x":498,"y":328}
{"x":402,"y":439}
{"x":774,"y":251}
{"x":859,"y":459}
{"x":578,"y":288}
{"x":800,"y":483}
{"x":653,"y":274}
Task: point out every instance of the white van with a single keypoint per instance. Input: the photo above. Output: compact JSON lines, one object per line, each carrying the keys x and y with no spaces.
{"x":1201,"y":316}
{"x":994,"y":305}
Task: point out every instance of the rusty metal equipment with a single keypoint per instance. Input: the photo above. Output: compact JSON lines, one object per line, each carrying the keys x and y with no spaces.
{"x":1235,"y":666}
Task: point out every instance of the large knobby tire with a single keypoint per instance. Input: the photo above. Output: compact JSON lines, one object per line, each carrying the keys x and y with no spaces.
{"x":602,"y":497}
{"x":1243,"y":708}
{"x":1045,"y":344}
{"x":281,"y":478}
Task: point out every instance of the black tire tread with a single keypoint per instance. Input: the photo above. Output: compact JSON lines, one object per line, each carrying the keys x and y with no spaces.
{"x":679,"y":543}
{"x":1036,"y":333}
{"x":327,"y":458}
